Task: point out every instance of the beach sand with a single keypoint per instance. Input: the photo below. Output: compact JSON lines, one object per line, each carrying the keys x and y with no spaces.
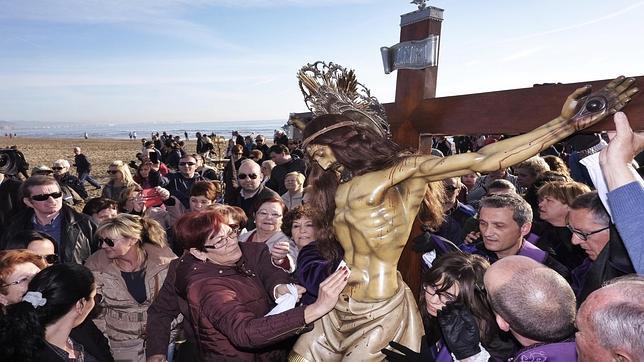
{"x":100,"y":152}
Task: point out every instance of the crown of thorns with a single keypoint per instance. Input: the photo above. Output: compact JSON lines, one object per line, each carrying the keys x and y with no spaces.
{"x":333,"y":89}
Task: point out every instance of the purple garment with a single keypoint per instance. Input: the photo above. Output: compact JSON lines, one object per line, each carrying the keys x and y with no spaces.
{"x":441,"y":353}
{"x":532,"y":252}
{"x":551,"y":352}
{"x":312,"y":268}
{"x":579,"y":276}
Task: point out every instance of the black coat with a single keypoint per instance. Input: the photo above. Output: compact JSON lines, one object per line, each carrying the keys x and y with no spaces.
{"x":10,"y":202}
{"x":77,"y":237}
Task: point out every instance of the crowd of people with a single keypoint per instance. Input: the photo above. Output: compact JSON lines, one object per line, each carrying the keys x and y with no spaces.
{"x":178,"y":259}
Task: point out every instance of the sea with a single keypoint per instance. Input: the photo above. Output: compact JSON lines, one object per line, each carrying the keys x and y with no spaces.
{"x":142,"y":129}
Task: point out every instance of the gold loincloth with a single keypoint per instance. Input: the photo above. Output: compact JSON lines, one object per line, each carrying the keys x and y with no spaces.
{"x":357,"y":331}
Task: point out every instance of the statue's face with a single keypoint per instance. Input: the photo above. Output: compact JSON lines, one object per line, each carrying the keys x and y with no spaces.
{"x":321,"y":154}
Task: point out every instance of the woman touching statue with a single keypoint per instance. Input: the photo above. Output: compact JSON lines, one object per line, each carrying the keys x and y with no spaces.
{"x":371,"y":191}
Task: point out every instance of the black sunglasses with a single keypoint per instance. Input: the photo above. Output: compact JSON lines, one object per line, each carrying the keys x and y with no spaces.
{"x":45,"y":197}
{"x":51,"y":258}
{"x":112,"y":172}
{"x":56,"y":168}
{"x":242,"y":176}
{"x":187,"y":163}
{"x":107,"y":241}
{"x":451,"y":188}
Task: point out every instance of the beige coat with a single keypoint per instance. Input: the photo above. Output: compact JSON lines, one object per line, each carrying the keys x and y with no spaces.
{"x":122,"y":319}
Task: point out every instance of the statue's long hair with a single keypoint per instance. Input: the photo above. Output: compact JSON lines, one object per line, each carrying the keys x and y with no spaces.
{"x":359,"y":149}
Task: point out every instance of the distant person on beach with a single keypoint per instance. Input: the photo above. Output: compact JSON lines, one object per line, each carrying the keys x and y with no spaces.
{"x":86,"y":135}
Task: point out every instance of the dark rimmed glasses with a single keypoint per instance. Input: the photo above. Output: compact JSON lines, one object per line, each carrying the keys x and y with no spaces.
{"x":57,"y":168}
{"x":582,"y":235}
{"x":50,"y":259}
{"x":442,"y":297}
{"x":112,"y":172}
{"x":223,"y":241}
{"x":45,"y":197}
{"x":252,"y":176}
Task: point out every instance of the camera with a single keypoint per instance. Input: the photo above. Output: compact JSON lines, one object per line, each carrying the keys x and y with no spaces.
{"x":11,"y":161}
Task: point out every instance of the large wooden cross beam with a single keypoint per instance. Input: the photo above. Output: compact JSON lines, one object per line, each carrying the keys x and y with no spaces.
{"x":416,"y":111}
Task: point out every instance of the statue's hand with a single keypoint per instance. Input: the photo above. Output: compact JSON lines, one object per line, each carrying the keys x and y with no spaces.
{"x":584,"y":109}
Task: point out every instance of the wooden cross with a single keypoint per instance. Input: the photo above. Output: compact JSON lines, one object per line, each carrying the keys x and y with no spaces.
{"x":417,"y":111}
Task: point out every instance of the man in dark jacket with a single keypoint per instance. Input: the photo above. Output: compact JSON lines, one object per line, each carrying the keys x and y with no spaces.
{"x":72,"y":231}
{"x":284,"y":164}
{"x":251,"y":191}
{"x":83,"y":168}
{"x":180,"y":183}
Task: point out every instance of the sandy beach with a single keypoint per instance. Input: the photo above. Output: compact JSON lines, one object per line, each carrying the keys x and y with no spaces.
{"x":101,"y":152}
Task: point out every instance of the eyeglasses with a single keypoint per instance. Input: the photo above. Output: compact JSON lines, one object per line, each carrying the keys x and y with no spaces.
{"x":267,"y":214}
{"x":451,"y":188}
{"x":45,"y":197}
{"x":57,"y":168}
{"x":259,"y":140}
{"x":242,"y":176}
{"x":107,"y":241}
{"x":582,"y":235}
{"x":442,"y":297}
{"x":222,"y":241}
{"x":187,"y":163}
{"x":17,"y":282}
{"x":50,"y":259}
{"x":112,"y":172}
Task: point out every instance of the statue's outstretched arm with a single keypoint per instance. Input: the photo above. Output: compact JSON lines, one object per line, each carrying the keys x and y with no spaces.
{"x":581,"y":110}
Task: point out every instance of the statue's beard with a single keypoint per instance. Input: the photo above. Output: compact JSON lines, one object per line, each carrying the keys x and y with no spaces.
{"x":343,"y":173}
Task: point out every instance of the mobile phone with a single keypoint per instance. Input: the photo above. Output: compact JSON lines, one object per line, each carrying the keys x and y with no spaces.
{"x":151,"y":198}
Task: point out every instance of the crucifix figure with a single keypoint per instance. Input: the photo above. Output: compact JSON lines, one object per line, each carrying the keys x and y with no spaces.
{"x":373,"y":190}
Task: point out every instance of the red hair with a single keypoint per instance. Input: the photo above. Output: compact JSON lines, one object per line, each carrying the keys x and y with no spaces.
{"x":194,"y":228}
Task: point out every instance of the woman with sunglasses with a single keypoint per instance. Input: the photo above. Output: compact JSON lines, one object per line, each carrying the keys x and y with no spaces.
{"x":49,"y":321}
{"x":268,"y":216}
{"x":37,"y":242}
{"x":120,"y":179}
{"x":453,"y":290}
{"x":129,"y":270}
{"x":217,"y":267}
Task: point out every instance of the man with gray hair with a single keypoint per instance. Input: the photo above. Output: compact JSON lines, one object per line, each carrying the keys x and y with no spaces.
{"x":504,"y":222}
{"x":536,"y":305}
{"x":610,"y":321}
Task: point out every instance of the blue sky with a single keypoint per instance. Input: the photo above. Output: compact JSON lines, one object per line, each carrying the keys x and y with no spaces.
{"x":222,"y":60}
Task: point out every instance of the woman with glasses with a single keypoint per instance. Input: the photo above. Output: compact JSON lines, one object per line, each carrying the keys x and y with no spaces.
{"x":37,"y":242}
{"x":49,"y":322}
{"x":120,"y":179}
{"x":169,"y":305}
{"x":129,"y":270}
{"x":230,"y":287}
{"x":17,"y":267}
{"x":454,"y":293}
{"x":268,"y":216}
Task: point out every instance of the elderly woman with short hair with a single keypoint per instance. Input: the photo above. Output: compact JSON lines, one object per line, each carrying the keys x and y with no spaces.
{"x":129,"y":270}
{"x":294,"y":183}
{"x":231,"y":286}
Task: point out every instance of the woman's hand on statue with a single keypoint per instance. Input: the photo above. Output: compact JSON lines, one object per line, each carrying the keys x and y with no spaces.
{"x":597,"y":105}
{"x":328,"y":294}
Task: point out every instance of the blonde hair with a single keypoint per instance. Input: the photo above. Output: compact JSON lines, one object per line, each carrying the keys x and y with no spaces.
{"x":299,"y":176}
{"x":147,"y":230}
{"x":125,"y":171}
{"x":536,"y":165}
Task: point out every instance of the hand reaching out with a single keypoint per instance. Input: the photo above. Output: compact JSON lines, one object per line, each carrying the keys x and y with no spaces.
{"x":615,"y":158}
{"x":328,"y":294}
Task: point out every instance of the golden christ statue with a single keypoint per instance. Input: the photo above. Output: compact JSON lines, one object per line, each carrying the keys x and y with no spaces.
{"x":371,"y":191}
